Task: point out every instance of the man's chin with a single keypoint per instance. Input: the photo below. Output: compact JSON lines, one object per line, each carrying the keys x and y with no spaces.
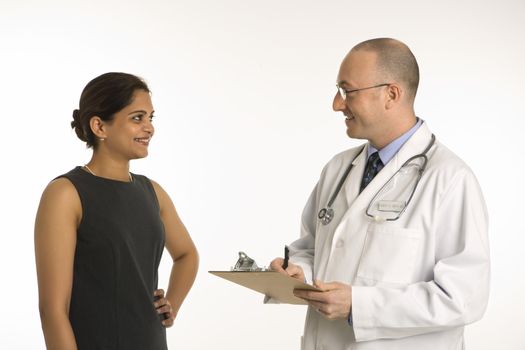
{"x":352,"y":134}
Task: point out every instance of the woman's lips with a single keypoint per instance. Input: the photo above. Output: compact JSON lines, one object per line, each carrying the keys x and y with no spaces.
{"x":143,"y":140}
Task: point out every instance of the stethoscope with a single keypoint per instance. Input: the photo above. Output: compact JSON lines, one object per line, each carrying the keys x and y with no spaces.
{"x":327,"y":213}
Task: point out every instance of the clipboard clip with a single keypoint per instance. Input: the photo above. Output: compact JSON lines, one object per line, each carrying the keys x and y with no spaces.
{"x":245,"y":263}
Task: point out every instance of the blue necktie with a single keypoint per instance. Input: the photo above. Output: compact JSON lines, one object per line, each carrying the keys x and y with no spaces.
{"x":373,"y":166}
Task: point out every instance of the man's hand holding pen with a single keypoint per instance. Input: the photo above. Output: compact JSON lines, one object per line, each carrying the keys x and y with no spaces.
{"x":292,"y":270}
{"x":284,"y":266}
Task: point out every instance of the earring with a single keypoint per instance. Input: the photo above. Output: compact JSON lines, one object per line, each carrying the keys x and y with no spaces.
{"x":101,"y":139}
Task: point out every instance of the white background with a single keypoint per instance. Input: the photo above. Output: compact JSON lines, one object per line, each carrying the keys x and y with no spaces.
{"x":243,"y":92}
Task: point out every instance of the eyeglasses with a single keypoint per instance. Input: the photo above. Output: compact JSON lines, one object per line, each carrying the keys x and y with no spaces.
{"x":344,"y":92}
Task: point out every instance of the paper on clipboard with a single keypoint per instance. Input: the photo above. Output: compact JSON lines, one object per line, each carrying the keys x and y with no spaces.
{"x":270,"y":283}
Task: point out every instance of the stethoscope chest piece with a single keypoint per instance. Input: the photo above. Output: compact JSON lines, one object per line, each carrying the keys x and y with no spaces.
{"x":326,"y":215}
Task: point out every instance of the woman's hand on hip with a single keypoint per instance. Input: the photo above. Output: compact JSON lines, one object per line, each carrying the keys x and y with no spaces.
{"x":163,"y":307}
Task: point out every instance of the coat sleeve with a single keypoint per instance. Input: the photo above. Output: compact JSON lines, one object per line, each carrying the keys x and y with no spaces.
{"x":302,"y":250}
{"x":458,"y":292}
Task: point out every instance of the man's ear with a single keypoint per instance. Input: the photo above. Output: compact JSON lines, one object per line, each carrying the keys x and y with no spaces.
{"x":394,"y":93}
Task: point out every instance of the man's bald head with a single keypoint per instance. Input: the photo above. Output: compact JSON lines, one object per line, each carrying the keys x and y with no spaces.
{"x":395,"y":62}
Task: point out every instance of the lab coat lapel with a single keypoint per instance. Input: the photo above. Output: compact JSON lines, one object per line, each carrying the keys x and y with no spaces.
{"x":358,"y":202}
{"x":352,"y":184}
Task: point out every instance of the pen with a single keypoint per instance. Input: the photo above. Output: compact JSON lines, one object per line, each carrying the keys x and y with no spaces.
{"x":286,"y":257}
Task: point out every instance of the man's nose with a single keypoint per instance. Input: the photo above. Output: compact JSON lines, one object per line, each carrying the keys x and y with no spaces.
{"x":339,"y":103}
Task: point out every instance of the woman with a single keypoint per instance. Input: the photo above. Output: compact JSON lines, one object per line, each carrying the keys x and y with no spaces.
{"x":100,"y":232}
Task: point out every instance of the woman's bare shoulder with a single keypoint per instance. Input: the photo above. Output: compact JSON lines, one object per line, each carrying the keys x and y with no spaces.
{"x":62,"y":196}
{"x":60,"y":188}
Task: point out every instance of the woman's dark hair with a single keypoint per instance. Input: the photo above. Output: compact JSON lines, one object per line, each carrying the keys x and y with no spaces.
{"x":103,"y":97}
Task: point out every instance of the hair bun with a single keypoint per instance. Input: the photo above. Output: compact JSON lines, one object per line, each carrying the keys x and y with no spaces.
{"x":75,"y":124}
{"x":76,"y":118}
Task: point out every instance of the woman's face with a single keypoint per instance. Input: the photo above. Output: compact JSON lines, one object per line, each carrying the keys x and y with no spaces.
{"x":129,"y":133}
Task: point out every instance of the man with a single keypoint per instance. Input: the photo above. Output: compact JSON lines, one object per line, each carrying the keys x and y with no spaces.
{"x":401,"y":264}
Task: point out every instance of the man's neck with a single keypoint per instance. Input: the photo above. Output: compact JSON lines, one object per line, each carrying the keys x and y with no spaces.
{"x":393,"y":132}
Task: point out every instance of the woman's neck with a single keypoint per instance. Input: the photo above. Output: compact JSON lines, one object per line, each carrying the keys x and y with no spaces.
{"x":108,"y":168}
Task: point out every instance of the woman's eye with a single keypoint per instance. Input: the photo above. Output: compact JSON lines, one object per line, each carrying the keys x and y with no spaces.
{"x":151,"y":117}
{"x":137,"y":118}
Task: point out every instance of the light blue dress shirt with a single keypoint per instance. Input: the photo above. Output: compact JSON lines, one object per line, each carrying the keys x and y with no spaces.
{"x":390,"y":150}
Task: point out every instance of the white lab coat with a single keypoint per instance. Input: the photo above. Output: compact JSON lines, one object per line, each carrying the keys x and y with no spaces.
{"x":416,"y":281}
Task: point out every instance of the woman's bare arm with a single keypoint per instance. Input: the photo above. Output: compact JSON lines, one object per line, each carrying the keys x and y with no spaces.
{"x":182,"y":251}
{"x":57,"y":219}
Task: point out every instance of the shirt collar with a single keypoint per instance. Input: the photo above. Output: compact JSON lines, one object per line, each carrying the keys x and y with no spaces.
{"x":389,"y":151}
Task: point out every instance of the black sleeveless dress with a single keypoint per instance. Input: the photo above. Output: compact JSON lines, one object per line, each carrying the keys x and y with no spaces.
{"x":119,"y":246}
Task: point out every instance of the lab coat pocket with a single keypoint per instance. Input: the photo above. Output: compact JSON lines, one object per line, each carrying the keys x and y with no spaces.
{"x":389,"y":254}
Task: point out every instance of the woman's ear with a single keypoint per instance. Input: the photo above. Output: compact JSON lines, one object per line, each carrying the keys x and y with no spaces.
{"x":98,"y":127}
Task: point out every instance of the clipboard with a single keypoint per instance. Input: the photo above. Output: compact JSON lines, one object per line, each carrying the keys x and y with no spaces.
{"x":270,"y":283}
